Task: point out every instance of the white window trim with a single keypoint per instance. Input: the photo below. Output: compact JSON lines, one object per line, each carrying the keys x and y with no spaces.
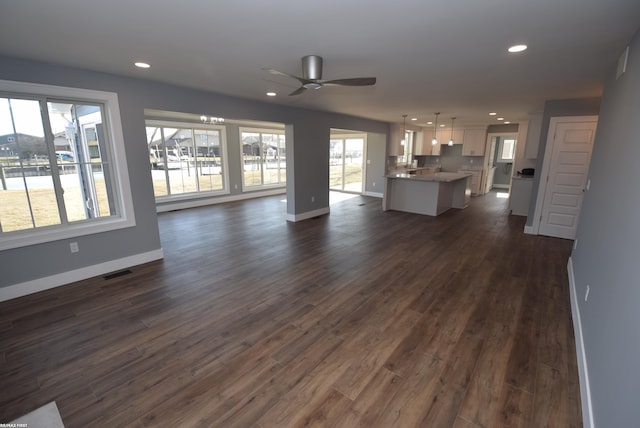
{"x":223,"y":149}
{"x":125,"y":216}
{"x":242,"y":129}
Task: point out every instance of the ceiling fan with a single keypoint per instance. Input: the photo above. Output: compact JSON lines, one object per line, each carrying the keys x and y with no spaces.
{"x":312,"y":76}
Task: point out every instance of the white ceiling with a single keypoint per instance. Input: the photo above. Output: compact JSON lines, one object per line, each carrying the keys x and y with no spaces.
{"x":448,"y":56}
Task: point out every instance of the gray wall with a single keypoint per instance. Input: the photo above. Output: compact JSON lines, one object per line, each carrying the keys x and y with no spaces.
{"x":376,"y":146}
{"x":307,"y":173}
{"x":557,"y":108}
{"x":608,"y":252}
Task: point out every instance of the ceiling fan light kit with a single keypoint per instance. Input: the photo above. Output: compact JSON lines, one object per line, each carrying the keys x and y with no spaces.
{"x":312,"y":76}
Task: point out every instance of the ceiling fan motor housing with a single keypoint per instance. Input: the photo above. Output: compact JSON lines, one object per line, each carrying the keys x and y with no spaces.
{"x":312,"y":67}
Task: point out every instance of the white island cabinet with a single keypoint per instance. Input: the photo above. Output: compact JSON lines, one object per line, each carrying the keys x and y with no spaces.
{"x":430,"y":194}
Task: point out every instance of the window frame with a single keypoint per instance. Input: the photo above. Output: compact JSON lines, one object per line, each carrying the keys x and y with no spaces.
{"x":194,"y":126}
{"x":500,"y":158}
{"x":124,"y":212}
{"x":261,"y":130}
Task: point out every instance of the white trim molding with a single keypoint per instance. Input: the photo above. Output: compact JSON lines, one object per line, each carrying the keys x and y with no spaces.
{"x":583,"y":372}
{"x":41,"y":284}
{"x":374,"y":194}
{"x":307,"y":215}
{"x":200,"y":202}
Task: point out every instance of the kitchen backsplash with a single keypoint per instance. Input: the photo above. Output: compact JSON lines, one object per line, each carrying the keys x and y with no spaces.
{"x":451,"y":159}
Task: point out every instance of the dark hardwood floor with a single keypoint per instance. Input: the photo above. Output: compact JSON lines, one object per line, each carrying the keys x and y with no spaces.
{"x":360,"y":318}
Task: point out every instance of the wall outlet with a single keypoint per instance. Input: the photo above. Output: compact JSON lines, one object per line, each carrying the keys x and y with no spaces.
{"x":575,"y":244}
{"x":313,"y":199}
{"x":73,"y":246}
{"x":586,"y":293}
{"x":368,"y":161}
{"x":470,"y":160}
{"x":235,"y":186}
{"x":374,"y":184}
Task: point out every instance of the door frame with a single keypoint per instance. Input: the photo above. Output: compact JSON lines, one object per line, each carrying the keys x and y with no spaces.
{"x":345,"y":135}
{"x":546,"y":165}
{"x":490,"y":150}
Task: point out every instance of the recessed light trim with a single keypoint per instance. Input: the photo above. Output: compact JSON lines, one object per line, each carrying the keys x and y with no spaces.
{"x":500,"y":118}
{"x":507,"y":122}
{"x":141,"y":64}
{"x":271,"y":94}
{"x":493,"y":113}
{"x":414,"y":118}
{"x":517,"y":48}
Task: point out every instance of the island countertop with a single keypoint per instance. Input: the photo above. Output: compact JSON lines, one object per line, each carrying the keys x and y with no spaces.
{"x":430,"y":194}
{"x":443,"y":177}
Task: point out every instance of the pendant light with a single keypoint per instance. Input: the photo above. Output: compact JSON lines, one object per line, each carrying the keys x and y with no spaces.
{"x":451,"y":140}
{"x":403,"y":140}
{"x":435,"y":130}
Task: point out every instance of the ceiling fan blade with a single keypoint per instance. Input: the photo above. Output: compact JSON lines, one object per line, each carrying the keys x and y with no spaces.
{"x":298,"y":91}
{"x":282,"y":73}
{"x":355,"y":81}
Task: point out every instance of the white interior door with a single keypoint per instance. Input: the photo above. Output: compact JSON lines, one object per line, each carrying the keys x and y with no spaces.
{"x":568,"y":169}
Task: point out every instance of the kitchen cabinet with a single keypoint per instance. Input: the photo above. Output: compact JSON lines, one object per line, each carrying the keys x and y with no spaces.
{"x":474,"y":141}
{"x":422,"y":147}
{"x":520,"y":195}
{"x":428,"y":149}
{"x":474,"y":180}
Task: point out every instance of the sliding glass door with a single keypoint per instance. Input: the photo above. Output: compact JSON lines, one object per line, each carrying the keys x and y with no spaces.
{"x":346,"y":162}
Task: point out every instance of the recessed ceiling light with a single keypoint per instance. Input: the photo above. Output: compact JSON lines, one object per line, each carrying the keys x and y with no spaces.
{"x":429,"y":123}
{"x":517,"y":48}
{"x":507,"y":122}
{"x":271,"y":94}
{"x":493,"y":113}
{"x":414,"y":118}
{"x":500,"y":118}
{"x":442,"y":125}
{"x":140,"y":64}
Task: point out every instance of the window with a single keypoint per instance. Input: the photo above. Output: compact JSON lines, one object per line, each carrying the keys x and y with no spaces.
{"x":408,"y":146}
{"x":507,"y":150}
{"x":186,"y":159}
{"x":263,"y":158}
{"x":62,"y":164}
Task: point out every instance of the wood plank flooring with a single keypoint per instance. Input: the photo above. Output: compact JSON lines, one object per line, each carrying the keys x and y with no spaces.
{"x":360,"y":318}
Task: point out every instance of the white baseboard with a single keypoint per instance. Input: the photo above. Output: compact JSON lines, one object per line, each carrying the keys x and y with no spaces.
{"x":193,"y":203}
{"x":374,"y":194}
{"x":307,"y":215}
{"x":529,"y":230}
{"x":500,"y":186}
{"x":41,"y":284}
{"x":583,"y":372}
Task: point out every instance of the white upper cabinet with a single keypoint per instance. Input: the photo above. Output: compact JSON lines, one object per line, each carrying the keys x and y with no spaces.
{"x":421,"y":144}
{"x":473,"y":142}
{"x":425,"y":148}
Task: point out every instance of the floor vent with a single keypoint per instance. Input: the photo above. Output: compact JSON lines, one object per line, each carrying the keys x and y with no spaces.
{"x":117,"y":274}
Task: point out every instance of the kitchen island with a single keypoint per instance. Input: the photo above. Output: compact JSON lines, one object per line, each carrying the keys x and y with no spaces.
{"x":430,"y":194}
